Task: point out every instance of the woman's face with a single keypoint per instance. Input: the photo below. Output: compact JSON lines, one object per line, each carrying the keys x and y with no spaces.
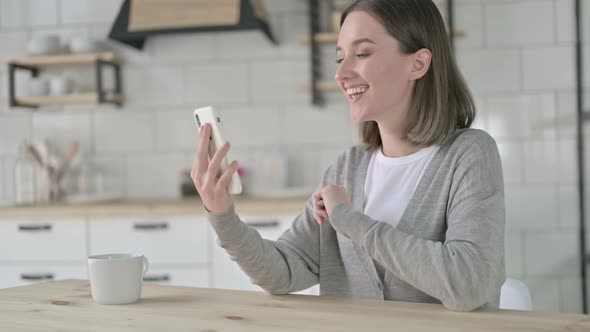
{"x":373,"y":73}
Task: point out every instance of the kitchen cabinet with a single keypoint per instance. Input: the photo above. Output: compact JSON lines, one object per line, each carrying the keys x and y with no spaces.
{"x":37,"y":250}
{"x":162,"y":239}
{"x":26,"y":274}
{"x":43,"y":245}
{"x":177,"y":247}
{"x":198,"y":276}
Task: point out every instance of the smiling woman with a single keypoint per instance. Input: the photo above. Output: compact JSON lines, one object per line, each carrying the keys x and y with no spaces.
{"x":409,"y":62}
{"x":416,"y":213}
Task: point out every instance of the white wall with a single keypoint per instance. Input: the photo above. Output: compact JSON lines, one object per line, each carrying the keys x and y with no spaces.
{"x":518,"y":57}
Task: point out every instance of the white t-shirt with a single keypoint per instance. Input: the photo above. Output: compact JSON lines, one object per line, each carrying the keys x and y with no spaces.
{"x":391,"y":182}
{"x":390,"y":185}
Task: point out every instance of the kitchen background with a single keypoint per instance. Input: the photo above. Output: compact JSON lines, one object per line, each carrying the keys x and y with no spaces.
{"x":517,"y":55}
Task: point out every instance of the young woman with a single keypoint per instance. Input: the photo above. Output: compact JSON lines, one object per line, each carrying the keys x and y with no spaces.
{"x":416,"y":213}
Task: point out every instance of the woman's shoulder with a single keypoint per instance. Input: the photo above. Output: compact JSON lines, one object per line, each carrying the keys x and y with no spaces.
{"x":472,"y":136}
{"x":470,"y":144}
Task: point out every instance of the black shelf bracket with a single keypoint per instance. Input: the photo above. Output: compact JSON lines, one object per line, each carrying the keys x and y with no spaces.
{"x":100,"y":89}
{"x":12,"y":68}
{"x":582,"y":117}
{"x":451,"y":23}
{"x":316,"y":62}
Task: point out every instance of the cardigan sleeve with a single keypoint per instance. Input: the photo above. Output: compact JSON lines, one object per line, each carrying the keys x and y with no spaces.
{"x":289,"y":264}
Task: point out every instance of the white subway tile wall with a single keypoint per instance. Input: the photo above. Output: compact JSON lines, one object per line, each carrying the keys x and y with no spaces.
{"x":513,"y":249}
{"x":123,"y":132}
{"x":538,"y":75}
{"x":175,"y":130}
{"x":154,"y":175}
{"x":2,"y":184}
{"x":154,"y":84}
{"x":569,"y":207}
{"x":517,"y":56}
{"x":14,"y":44}
{"x":513,"y":24}
{"x":217,"y":83}
{"x":477,"y":65}
{"x":554,"y":261}
{"x":65,"y":128}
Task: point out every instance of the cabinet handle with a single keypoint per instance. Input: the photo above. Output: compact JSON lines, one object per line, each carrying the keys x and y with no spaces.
{"x":163,"y":277}
{"x":263,"y":223}
{"x":34,"y":228}
{"x":37,"y":277}
{"x":150,"y":226}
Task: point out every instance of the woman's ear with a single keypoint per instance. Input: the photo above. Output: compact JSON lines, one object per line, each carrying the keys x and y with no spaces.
{"x":420,"y":63}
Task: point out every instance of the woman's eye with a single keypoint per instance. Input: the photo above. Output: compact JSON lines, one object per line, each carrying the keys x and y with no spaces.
{"x":339,"y":61}
{"x":362,"y":55}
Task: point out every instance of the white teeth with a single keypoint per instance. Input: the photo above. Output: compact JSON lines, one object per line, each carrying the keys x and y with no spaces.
{"x":354,"y":91}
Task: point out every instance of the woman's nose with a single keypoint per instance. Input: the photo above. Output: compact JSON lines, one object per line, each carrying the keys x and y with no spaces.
{"x":343,"y":71}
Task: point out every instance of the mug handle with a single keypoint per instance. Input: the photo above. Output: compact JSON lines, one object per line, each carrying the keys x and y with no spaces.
{"x":146,"y":265}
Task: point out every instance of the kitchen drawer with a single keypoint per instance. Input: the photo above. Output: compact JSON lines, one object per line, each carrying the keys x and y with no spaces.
{"x":173,"y":240}
{"x":18,"y":275}
{"x":175,"y":276}
{"x":47,"y":240}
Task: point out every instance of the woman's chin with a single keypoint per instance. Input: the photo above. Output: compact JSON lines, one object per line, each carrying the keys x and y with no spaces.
{"x":358,"y":115}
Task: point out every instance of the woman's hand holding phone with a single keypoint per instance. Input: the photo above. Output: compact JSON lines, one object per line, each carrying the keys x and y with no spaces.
{"x":211,"y":184}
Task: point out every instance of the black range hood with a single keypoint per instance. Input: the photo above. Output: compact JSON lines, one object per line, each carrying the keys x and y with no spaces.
{"x":251,"y":17}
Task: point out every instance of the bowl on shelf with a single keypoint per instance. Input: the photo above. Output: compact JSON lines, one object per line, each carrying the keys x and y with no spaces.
{"x":38,"y":87}
{"x":83,"y":45}
{"x":44,"y":44}
{"x":60,"y":85}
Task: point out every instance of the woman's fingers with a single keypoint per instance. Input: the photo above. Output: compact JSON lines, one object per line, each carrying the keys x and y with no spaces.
{"x":225,"y":178}
{"x":318,"y":218}
{"x":213,"y":171}
{"x":202,"y":156}
{"x":319,"y":209}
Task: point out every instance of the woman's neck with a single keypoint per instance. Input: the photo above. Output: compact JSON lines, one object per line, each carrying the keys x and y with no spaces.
{"x":394,"y":146}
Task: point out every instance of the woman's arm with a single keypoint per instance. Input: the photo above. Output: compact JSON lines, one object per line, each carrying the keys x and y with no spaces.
{"x":289,"y":264}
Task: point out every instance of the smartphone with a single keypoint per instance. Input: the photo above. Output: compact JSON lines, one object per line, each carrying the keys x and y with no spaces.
{"x":207,"y":115}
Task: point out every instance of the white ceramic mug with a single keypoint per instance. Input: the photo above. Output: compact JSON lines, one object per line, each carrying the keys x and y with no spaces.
{"x":59,"y":86}
{"x":116,"y":278}
{"x":38,"y":87}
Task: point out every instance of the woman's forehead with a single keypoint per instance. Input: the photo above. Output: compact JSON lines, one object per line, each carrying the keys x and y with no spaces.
{"x":361,"y":27}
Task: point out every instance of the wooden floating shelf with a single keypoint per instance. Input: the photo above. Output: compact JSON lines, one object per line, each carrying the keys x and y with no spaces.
{"x":332,"y":37}
{"x":75,"y":98}
{"x":65,"y":59}
{"x":322,"y":38}
{"x":324,"y":86}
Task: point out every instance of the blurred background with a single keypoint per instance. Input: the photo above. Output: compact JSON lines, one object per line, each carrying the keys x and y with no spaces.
{"x":274,"y":90}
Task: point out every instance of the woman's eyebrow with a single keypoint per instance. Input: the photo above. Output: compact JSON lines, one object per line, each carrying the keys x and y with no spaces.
{"x":356,"y":42}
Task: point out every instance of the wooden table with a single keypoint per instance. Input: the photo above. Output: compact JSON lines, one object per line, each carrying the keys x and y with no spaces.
{"x":68,"y":306}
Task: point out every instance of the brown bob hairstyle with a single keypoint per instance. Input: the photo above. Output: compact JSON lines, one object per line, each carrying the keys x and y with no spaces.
{"x":441,"y":101}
